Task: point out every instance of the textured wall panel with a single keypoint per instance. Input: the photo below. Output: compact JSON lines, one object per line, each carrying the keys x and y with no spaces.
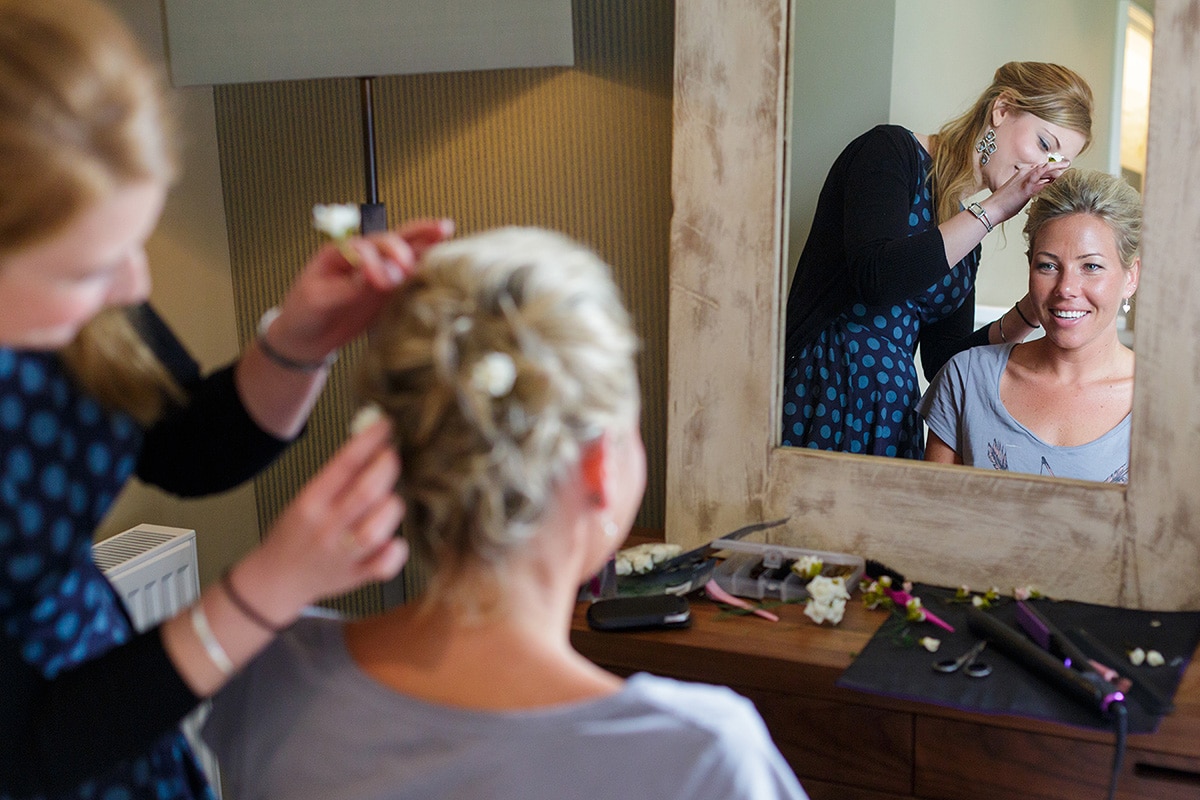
{"x":585,"y":150}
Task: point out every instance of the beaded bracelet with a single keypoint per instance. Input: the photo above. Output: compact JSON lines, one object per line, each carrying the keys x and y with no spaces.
{"x":244,"y":607}
{"x":1020,"y":314}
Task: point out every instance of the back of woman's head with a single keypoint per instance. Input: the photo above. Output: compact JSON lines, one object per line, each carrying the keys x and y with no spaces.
{"x":1088,"y":191}
{"x":497,"y":361}
{"x":1048,"y":91}
{"x":82,"y":111}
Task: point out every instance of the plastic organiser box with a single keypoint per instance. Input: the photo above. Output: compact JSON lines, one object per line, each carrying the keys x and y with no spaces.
{"x":763,"y":571}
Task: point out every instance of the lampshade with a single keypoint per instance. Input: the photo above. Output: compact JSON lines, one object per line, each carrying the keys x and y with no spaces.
{"x":241,"y":41}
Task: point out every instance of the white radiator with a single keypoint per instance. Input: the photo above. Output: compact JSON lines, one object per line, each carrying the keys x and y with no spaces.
{"x":155,"y":571}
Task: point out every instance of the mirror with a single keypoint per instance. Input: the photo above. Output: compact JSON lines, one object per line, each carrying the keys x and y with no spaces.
{"x":907,"y":62}
{"x":1135,"y":546}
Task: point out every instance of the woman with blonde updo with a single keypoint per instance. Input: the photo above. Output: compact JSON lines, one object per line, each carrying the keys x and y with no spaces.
{"x":506,"y":365}
{"x":1059,"y":405}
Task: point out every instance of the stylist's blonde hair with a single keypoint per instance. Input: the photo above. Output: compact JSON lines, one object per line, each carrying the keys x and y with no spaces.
{"x":481,"y":458}
{"x":1047,"y":91}
{"x":83,"y":113}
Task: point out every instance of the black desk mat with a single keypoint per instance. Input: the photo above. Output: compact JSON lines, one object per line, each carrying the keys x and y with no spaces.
{"x":888,"y":667}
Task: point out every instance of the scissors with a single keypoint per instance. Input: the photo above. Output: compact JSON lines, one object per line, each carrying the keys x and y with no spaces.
{"x":967,"y":662}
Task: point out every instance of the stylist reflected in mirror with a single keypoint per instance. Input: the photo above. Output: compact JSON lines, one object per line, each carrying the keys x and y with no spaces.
{"x":1061,"y":404}
{"x":892,"y":257}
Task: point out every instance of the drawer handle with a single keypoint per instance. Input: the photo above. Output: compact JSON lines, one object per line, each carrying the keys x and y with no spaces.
{"x":1155,"y":772}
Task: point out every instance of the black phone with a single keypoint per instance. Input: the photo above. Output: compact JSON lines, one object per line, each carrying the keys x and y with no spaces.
{"x":640,"y":613}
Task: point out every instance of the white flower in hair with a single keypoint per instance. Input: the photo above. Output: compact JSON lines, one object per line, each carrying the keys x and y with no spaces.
{"x":364,"y":418}
{"x":337,"y":221}
{"x":494,"y":374}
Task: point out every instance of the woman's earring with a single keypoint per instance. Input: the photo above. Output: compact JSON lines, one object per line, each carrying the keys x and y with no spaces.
{"x":986,"y":146}
{"x":609,"y":526}
{"x":1125,"y":305}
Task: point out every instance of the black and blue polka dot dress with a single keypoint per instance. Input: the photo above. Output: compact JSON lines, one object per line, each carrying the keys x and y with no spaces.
{"x":854,"y":387}
{"x":63,"y":460}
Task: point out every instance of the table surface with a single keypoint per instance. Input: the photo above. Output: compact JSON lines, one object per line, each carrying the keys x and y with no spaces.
{"x":797,"y":656}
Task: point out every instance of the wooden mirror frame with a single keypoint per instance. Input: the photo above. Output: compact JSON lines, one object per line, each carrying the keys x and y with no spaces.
{"x":1137,"y":546}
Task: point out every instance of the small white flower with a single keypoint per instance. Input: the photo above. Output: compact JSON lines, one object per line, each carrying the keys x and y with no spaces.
{"x":929,"y":643}
{"x":337,"y":221}
{"x":826,"y":599}
{"x":976,"y":601}
{"x":1155,"y":659}
{"x":1055,"y":158}
{"x":808,"y":566}
{"x":494,"y":374}
{"x":641,"y":563}
{"x":1136,"y":656}
{"x":364,"y":418}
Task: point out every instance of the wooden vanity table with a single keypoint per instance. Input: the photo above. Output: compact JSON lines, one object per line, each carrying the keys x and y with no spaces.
{"x":848,"y":745}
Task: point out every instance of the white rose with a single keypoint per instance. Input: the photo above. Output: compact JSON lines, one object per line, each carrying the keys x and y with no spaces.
{"x":337,"y":220}
{"x":494,"y":374}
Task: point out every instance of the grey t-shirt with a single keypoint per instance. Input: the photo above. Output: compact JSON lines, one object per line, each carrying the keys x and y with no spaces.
{"x":962,"y":406}
{"x":303,"y":721}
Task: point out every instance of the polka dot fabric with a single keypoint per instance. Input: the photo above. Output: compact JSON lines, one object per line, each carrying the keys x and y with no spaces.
{"x":63,"y":460}
{"x":854,"y":387}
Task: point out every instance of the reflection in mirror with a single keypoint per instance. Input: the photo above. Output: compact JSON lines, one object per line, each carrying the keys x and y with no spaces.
{"x":912,"y":66}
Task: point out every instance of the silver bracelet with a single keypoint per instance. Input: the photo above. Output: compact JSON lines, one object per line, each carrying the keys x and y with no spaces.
{"x":980,"y":215}
{"x":204,"y":632}
{"x":264,"y":322}
{"x":1000,"y":324}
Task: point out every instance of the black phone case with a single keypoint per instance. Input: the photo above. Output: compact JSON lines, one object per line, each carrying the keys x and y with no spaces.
{"x":640,"y":613}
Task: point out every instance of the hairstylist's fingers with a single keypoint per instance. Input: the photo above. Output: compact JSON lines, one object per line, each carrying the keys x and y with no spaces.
{"x":382,"y":553}
{"x":421,"y":234}
{"x":349,"y":461}
{"x":372,"y":484}
{"x":387,"y":261}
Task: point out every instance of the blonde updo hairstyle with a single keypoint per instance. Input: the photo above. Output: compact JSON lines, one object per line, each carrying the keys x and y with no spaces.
{"x":1088,"y":191}
{"x":83,"y":113}
{"x":497,"y":362}
{"x":1048,"y":91}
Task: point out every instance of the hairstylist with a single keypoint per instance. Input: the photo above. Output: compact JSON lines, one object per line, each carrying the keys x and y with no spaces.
{"x":893,"y":253}
{"x":89,"y":396}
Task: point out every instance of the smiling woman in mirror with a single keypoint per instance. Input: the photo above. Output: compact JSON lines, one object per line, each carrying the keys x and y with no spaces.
{"x":894,"y":250}
{"x":1059,"y":405}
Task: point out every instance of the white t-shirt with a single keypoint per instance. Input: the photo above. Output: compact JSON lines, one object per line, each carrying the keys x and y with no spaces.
{"x":962,"y":406}
{"x":304,"y":721}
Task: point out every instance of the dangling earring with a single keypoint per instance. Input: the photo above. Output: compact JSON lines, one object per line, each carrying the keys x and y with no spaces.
{"x":1125,"y":305}
{"x":986,"y":146}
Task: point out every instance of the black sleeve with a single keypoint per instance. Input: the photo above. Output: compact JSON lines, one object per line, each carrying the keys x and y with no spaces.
{"x":941,"y":340}
{"x":58,"y":733}
{"x":886,"y":265}
{"x":210,"y":444}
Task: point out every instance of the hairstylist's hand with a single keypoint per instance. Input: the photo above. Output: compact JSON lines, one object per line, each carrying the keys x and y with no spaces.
{"x":337,"y":534}
{"x":1007,"y":201}
{"x":334,"y":300}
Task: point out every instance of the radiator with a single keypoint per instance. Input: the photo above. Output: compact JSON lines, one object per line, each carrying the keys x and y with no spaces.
{"x":154,"y":570}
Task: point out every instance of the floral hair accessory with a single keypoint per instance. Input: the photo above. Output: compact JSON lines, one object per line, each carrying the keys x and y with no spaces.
{"x":826,"y":599}
{"x":808,"y":566}
{"x":494,"y":374}
{"x":339,"y":222}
